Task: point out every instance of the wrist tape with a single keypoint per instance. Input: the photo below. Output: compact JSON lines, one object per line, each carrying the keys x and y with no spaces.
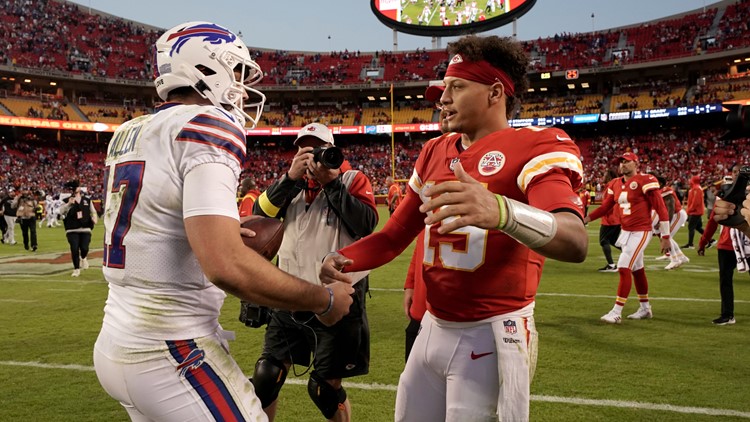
{"x":664,"y":229}
{"x":528,"y":225}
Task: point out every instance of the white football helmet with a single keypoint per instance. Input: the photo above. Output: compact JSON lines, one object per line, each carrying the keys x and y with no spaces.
{"x":209,"y":58}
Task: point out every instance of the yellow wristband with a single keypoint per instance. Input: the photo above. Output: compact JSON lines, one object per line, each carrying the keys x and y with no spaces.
{"x":503,"y":212}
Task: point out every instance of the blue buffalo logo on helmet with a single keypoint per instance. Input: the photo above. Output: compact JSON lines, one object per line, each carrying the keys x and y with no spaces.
{"x":210,"y":32}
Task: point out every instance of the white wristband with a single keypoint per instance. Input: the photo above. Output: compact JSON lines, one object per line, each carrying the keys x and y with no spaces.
{"x":531,"y":226}
{"x":664,"y":228}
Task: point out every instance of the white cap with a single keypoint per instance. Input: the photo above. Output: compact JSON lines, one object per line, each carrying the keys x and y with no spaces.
{"x":317,"y":130}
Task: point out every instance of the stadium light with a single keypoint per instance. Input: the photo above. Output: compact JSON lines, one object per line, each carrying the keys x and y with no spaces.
{"x":370,"y":98}
{"x":530,"y":90}
{"x":571,"y":86}
{"x":28,"y":81}
{"x":407,"y":97}
{"x":584,"y":84}
{"x":53,"y":83}
{"x":543,"y":89}
{"x":383,"y":98}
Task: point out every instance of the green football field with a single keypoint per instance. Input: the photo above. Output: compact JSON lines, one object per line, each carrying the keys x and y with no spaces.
{"x":676,"y":367}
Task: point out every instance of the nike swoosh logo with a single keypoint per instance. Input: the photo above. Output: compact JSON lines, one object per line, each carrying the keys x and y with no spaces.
{"x":475,"y":356}
{"x":561,"y":138}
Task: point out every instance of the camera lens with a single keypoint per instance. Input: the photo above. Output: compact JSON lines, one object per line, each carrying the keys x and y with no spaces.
{"x":330,"y":157}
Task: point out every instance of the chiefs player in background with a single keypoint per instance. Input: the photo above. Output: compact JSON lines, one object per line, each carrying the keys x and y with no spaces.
{"x":394,"y":194}
{"x":636,"y":194}
{"x":493,"y":202}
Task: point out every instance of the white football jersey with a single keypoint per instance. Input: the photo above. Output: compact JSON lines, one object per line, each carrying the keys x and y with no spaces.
{"x":157,"y":290}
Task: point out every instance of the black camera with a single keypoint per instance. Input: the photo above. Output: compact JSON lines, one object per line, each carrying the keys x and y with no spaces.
{"x":736,"y":194}
{"x":330,"y":157}
{"x":253,"y":315}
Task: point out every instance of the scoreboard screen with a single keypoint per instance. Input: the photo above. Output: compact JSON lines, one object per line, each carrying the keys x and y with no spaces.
{"x":447,"y":17}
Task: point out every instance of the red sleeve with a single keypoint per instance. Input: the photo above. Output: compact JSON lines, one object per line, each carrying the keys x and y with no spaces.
{"x":409,"y":282}
{"x":607,"y":204}
{"x":657,"y":204}
{"x":403,"y":226}
{"x":553,"y":191}
{"x":708,"y":231}
{"x":246,"y":206}
{"x":361,"y":188}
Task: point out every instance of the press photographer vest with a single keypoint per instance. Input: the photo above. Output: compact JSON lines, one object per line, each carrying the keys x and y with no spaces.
{"x":79,"y":215}
{"x":311,"y":234}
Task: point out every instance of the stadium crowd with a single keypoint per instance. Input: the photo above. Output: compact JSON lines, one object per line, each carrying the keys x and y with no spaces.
{"x":63,"y":36}
{"x":677,"y":155}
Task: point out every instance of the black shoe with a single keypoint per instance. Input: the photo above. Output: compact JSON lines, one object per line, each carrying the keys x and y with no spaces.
{"x":711,"y":243}
{"x":724,"y":321}
{"x":688,"y":246}
{"x":26,"y":247}
{"x":33,"y":248}
{"x":609,"y":268}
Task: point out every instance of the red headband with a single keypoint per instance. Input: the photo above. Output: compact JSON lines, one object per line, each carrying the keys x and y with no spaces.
{"x":481,"y":71}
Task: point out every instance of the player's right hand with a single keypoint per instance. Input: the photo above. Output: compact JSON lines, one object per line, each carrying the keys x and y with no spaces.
{"x":342,"y":301}
{"x":300,"y":163}
{"x":701,"y":250}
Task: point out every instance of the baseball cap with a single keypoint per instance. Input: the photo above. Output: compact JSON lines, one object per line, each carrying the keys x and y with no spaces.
{"x":317,"y":130}
{"x":629,"y":156}
{"x":434,"y":92}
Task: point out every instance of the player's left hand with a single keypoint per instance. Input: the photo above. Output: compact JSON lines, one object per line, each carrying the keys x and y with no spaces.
{"x":666,"y":245}
{"x":467,"y":200}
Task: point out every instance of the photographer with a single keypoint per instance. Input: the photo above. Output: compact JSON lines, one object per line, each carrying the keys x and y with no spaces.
{"x":325,"y":206}
{"x":79,"y":218}
{"x":25,"y":204}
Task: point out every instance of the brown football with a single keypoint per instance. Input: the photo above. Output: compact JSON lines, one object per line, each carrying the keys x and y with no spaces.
{"x":269,"y":232}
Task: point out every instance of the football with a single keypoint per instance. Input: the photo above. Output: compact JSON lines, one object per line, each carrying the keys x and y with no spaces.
{"x":269,"y":232}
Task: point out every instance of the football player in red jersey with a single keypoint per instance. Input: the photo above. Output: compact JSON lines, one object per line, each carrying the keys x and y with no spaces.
{"x":493,"y":201}
{"x":636,"y":194}
{"x":609,"y":230}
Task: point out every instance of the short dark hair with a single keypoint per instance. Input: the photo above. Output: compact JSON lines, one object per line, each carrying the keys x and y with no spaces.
{"x":504,"y":53}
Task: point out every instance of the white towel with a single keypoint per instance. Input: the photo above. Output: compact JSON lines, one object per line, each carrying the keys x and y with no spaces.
{"x":741,"y":245}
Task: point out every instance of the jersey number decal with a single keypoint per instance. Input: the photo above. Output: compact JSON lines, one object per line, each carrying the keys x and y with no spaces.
{"x":624,"y":204}
{"x":122,"y":198}
{"x":468,"y":258}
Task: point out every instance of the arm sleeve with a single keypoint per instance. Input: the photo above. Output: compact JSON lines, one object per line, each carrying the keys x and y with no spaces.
{"x":409,"y":282}
{"x":277,"y":197}
{"x":382,"y":247}
{"x":657,"y":204}
{"x":708,"y":231}
{"x":355,"y":206}
{"x":553,"y":192}
{"x":607,"y":204}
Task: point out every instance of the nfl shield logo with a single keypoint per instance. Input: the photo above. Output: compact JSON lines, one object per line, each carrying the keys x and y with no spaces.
{"x":510,"y":326}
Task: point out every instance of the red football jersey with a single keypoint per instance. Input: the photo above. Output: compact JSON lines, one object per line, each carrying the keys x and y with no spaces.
{"x":613,"y":216}
{"x":472,"y":273}
{"x":635,"y":208}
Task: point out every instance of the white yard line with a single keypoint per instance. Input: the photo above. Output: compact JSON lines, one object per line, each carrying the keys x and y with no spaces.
{"x":534,"y":397}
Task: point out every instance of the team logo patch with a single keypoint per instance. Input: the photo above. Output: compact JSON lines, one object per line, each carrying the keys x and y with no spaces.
{"x":491,"y":163}
{"x":510,"y":326}
{"x":456,"y":59}
{"x":452,"y":165}
{"x":210,"y":33}
{"x":193,"y":360}
{"x":633,"y":185}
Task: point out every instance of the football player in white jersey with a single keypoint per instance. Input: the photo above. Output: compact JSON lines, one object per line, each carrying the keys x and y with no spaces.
{"x":172,"y":239}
